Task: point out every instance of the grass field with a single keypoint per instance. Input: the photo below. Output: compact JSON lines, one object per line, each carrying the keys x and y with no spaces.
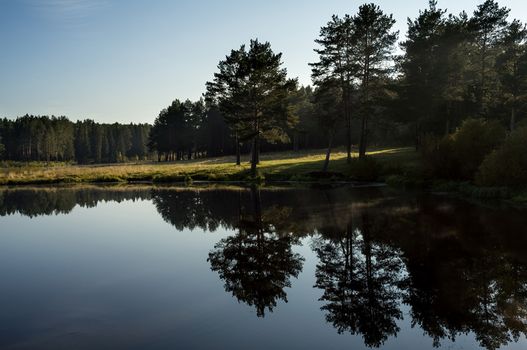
{"x":283,"y":166}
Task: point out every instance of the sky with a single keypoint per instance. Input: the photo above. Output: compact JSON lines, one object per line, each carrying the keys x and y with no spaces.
{"x":125,"y":60}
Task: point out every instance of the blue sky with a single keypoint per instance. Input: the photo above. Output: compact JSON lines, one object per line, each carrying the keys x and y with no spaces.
{"x":125,"y":60}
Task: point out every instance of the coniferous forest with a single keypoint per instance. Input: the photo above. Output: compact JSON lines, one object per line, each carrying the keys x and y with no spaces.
{"x":454,"y":86}
{"x":43,"y":138}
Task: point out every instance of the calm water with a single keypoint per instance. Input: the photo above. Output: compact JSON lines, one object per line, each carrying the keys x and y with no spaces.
{"x":240,"y":268}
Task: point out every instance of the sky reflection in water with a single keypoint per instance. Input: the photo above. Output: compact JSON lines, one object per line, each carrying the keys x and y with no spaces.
{"x":97,"y":267}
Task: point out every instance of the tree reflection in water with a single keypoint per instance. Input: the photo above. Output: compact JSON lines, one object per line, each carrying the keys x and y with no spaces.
{"x":257,"y":263}
{"x":361,"y":277}
{"x":459,"y":268}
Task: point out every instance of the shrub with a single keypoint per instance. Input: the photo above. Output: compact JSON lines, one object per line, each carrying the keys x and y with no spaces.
{"x":506,"y":166}
{"x":365,"y":169}
{"x":458,"y":156}
{"x":438,"y":156}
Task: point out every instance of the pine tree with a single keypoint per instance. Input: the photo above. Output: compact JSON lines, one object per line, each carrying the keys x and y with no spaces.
{"x":487,"y":25}
{"x":251,"y":90}
{"x":373,"y":41}
{"x":511,"y":66}
{"x":337,"y":63}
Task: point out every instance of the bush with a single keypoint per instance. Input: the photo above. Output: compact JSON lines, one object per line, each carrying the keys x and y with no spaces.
{"x":365,"y":169}
{"x":458,"y":156}
{"x":438,"y":158}
{"x":506,"y":166}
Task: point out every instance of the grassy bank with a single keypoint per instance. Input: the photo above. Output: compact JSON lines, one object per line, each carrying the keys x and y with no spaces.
{"x":398,"y":167}
{"x":284,"y":166}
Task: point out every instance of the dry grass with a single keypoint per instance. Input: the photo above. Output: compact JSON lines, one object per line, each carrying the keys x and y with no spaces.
{"x":276,"y":166}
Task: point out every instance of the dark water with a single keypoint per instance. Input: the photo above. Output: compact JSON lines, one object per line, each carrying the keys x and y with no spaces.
{"x":241,"y":268}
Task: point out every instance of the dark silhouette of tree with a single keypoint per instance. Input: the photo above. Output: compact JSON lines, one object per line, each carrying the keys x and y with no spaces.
{"x":487,"y":26}
{"x":511,"y":66}
{"x":216,"y":135}
{"x":328,"y":109}
{"x":373,"y":41}
{"x":175,"y":133}
{"x":204,"y":209}
{"x":257,"y":263}
{"x":43,"y":138}
{"x":463,"y":276}
{"x":337,"y":66}
{"x":39,"y":201}
{"x":252,"y":91}
{"x":420,"y":64}
{"x":305,"y":132}
{"x":361,"y":280}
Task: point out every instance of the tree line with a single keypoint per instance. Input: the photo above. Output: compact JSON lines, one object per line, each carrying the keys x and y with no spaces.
{"x":452,"y":68}
{"x":43,"y":138}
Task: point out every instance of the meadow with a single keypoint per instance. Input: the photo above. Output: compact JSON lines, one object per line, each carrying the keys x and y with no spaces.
{"x":281,"y":166}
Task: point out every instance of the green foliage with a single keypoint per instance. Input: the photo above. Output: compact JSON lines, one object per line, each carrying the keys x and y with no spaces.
{"x":432,"y":67}
{"x":57,"y":139}
{"x":506,"y":166}
{"x":486,"y":27}
{"x":327,"y":103}
{"x":355,"y":54}
{"x":335,"y":70}
{"x":438,"y":157}
{"x":511,"y":66}
{"x":458,"y":156}
{"x":373,"y":44}
{"x":252,"y":91}
{"x":175,"y":134}
{"x":473,"y":141}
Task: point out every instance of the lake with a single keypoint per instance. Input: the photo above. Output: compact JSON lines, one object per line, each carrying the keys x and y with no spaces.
{"x":140,"y":267}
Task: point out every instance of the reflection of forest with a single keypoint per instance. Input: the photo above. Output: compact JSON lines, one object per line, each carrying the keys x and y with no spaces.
{"x":35,"y":201}
{"x":459,"y":267}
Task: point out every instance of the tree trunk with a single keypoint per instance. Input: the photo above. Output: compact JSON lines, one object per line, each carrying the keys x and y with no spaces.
{"x":348,"y":125}
{"x":254,"y":156}
{"x":513,"y":118}
{"x":328,"y":154}
{"x":348,"y":141}
{"x":238,"y":157}
{"x":257,"y":149}
{"x":257,"y":205}
{"x":363,"y":136}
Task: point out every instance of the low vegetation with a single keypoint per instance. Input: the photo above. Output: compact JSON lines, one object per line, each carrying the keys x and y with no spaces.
{"x":458,"y":156}
{"x":284,"y":166}
{"x":507,"y":165}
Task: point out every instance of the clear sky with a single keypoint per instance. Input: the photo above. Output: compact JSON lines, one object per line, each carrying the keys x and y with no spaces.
{"x":125,"y":60}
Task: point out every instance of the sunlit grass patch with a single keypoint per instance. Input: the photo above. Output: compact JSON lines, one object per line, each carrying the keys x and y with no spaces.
{"x":273,"y":167}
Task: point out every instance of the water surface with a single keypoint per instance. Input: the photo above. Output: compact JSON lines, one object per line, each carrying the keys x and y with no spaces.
{"x":224,"y":267}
